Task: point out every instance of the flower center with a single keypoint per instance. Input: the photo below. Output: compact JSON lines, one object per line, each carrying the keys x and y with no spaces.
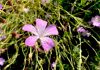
{"x":41,"y":34}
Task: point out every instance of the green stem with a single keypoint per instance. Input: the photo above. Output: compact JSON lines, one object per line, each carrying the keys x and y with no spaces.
{"x":80,"y":56}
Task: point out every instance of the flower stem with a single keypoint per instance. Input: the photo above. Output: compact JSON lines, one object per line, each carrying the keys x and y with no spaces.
{"x":80,"y":56}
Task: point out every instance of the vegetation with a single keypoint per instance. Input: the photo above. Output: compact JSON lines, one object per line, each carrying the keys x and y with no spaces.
{"x":73,"y":50}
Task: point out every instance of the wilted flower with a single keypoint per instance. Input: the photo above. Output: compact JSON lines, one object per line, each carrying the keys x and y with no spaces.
{"x":96,"y":21}
{"x":2,"y":20}
{"x":0,"y":6}
{"x":83,"y":31}
{"x":41,"y":32}
{"x":45,"y":1}
{"x":2,"y":36}
{"x":2,"y":61}
{"x":53,"y":65}
{"x":2,"y":50}
{"x":16,"y":35}
{"x":26,"y":10}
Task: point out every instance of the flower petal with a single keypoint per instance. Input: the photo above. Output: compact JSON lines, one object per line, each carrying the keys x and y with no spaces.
{"x":40,"y":25}
{"x":0,"y":6}
{"x":30,"y":41}
{"x":2,"y":61}
{"x":30,"y":28}
{"x":51,"y":30}
{"x":47,"y":43}
{"x":81,"y":29}
{"x":96,"y":21}
{"x":97,"y":24}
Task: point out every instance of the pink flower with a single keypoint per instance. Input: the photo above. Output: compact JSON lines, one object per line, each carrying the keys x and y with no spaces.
{"x":40,"y":31}
{"x":96,"y":21}
{"x":83,"y":31}
{"x":2,"y":61}
{"x":0,"y":6}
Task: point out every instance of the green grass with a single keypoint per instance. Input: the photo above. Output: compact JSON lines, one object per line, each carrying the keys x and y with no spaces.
{"x":72,"y":51}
